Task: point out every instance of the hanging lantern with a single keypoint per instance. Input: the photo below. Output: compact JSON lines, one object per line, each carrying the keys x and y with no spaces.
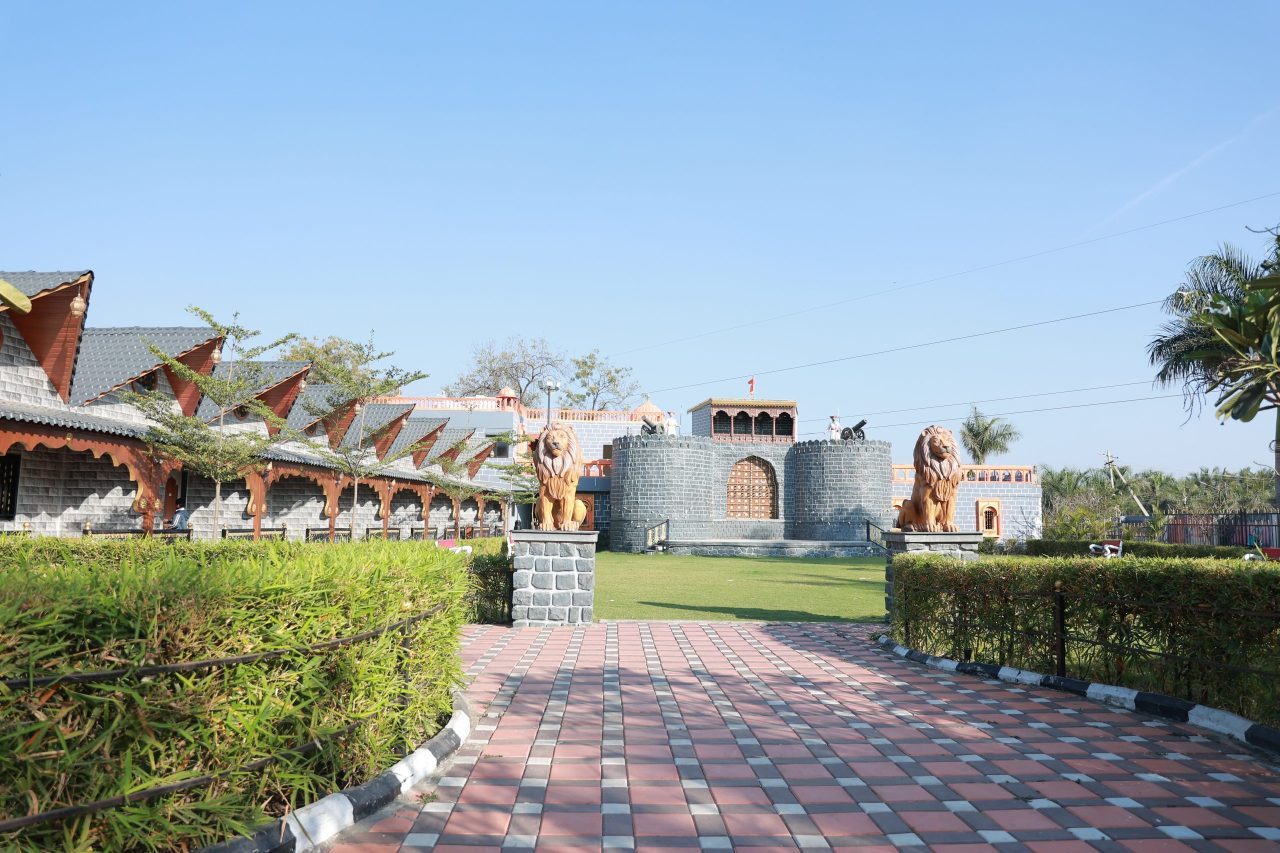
{"x":216,"y":357}
{"x":78,"y":306}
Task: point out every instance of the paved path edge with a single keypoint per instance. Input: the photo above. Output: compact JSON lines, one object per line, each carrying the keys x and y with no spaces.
{"x":314,"y":824}
{"x":1157,"y":704}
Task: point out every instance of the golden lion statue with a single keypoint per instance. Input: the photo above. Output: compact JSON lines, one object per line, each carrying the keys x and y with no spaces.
{"x":557,"y":460}
{"x":932,"y":506}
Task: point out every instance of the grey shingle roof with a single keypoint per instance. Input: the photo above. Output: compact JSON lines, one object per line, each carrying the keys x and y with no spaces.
{"x":70,"y":419}
{"x":376,"y":416}
{"x":32,"y":282}
{"x":273,"y":372}
{"x":414,"y":429}
{"x":447,"y":439}
{"x":302,"y":414}
{"x":111,"y":357}
{"x":299,"y":457}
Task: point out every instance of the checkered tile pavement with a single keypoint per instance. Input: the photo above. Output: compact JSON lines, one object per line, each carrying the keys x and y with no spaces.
{"x":717,"y":736}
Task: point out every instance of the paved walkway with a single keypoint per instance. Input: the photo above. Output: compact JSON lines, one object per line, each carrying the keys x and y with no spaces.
{"x":669,"y":735}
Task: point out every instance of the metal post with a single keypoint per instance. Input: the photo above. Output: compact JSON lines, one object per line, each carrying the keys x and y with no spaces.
{"x":1060,"y":629}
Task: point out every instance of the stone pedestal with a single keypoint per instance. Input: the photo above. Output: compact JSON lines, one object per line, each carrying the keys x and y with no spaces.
{"x":554,"y":577}
{"x":963,"y":546}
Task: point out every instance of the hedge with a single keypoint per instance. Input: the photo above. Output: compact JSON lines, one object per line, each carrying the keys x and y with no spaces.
{"x":1204,"y":630}
{"x":1069,"y":548}
{"x":79,"y":607}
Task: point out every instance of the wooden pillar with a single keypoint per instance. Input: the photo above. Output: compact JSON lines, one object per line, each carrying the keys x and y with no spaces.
{"x":257,"y":488}
{"x":387,"y":492}
{"x":336,"y":508}
{"x":457,"y":520}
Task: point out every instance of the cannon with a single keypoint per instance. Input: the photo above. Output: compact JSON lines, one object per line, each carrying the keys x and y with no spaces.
{"x":652,"y":427}
{"x":855,"y":432}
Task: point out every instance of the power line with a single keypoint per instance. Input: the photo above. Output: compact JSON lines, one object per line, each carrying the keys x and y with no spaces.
{"x":1031,"y":256}
{"x":1030,"y":411}
{"x":910,"y":346}
{"x":993,"y":399}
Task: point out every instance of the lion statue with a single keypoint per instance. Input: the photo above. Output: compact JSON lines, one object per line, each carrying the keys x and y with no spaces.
{"x":557,"y":460}
{"x":932,"y":506}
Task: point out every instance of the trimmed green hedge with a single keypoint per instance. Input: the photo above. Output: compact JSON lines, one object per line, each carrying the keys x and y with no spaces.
{"x":76,"y":606}
{"x":1174,"y":626}
{"x":1069,"y":548}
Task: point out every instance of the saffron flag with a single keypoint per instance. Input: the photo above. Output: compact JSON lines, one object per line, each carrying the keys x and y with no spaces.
{"x":751,"y":387}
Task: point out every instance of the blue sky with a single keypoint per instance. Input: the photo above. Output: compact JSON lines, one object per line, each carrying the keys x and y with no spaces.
{"x":619,"y":176}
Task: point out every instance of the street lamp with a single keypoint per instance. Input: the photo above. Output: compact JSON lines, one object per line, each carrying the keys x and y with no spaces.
{"x":550,"y":385}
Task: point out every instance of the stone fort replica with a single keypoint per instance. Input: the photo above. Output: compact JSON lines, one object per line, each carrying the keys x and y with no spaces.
{"x":742,"y":485}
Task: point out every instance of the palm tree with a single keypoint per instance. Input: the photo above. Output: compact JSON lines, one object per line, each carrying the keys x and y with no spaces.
{"x":1223,"y":337}
{"x":983,"y":436}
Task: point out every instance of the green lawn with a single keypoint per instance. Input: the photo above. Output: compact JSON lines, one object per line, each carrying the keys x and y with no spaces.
{"x":661,"y":586}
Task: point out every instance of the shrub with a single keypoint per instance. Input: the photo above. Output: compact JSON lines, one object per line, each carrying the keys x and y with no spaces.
{"x":82,"y":606}
{"x":487,"y":546}
{"x":1206,"y":630}
{"x":1078,"y":548}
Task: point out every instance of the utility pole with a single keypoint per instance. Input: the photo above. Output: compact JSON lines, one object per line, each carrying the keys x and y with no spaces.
{"x":1113,"y":471}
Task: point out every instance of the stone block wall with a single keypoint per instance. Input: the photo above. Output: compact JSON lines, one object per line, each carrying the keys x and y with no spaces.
{"x":553,"y":577}
{"x":826,"y":490}
{"x":701,"y":422}
{"x":656,"y":478}
{"x":366,"y":510}
{"x":58,"y":491}
{"x":235,"y":500}
{"x":406,"y":511}
{"x":839,"y":487}
{"x":296,"y":504}
{"x":22,"y":379}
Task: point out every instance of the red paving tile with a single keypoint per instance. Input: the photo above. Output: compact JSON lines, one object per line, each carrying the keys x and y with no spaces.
{"x":757,"y":734}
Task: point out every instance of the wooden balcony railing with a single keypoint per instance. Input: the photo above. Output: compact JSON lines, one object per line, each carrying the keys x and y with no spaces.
{"x":597,"y":468}
{"x":979,"y":473}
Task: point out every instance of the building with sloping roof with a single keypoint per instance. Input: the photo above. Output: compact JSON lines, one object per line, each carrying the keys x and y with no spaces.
{"x":74,"y":458}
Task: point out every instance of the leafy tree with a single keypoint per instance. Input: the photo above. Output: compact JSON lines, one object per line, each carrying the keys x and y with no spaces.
{"x":354,"y":378}
{"x":598,"y":384}
{"x":520,"y":364}
{"x":205,"y":447}
{"x":346,"y":356}
{"x":1224,"y":337}
{"x":983,"y":436}
{"x":451,"y":477}
{"x":1073,"y":498}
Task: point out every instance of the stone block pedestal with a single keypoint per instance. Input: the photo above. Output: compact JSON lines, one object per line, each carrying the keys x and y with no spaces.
{"x":963,"y":546}
{"x":553,"y":577}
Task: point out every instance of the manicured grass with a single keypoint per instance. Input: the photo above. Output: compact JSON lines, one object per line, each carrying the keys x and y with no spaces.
{"x":661,"y":586}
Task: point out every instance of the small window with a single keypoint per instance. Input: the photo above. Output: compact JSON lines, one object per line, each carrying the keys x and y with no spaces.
{"x":989,"y":519}
{"x":742,"y":424}
{"x":9,"y":465}
{"x":783,"y":425}
{"x":501,"y":450}
{"x":720,"y":424}
{"x":606,"y":452}
{"x":145,"y":383}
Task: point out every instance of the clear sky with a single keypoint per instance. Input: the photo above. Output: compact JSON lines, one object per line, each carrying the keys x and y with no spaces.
{"x":618,"y":176}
